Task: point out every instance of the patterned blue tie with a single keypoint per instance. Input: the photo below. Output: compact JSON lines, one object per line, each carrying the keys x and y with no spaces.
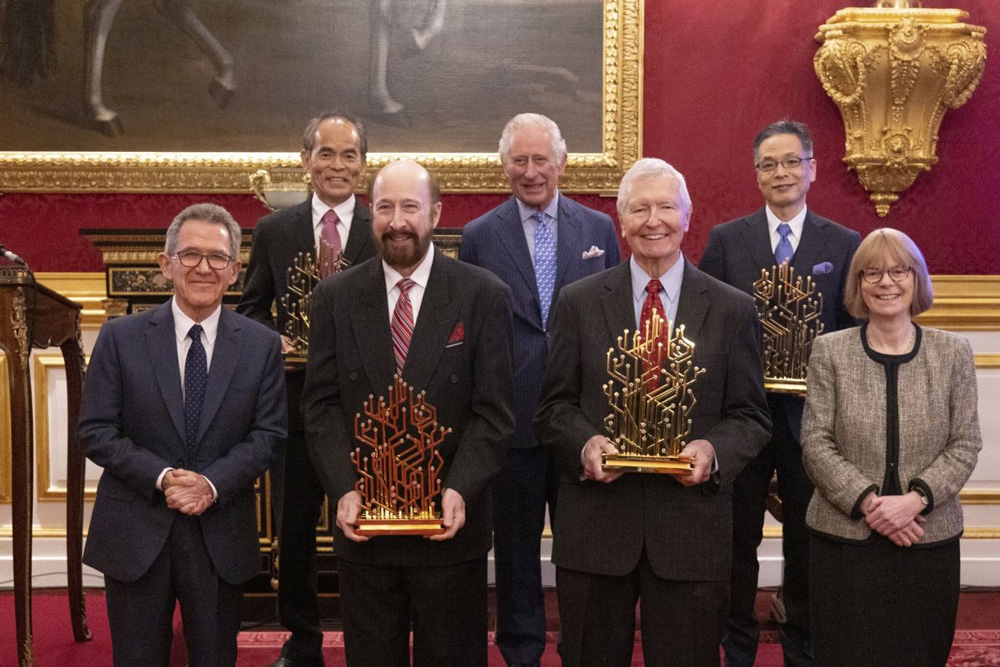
{"x":783,"y":252}
{"x":195,"y":379}
{"x":545,"y":263}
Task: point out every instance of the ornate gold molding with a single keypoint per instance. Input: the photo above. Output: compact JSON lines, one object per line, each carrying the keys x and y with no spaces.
{"x":964,"y":303}
{"x":621,"y":143}
{"x":45,"y":492}
{"x":893,"y":73}
{"x":85,"y":288}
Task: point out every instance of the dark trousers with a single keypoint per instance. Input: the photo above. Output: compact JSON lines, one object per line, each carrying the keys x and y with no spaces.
{"x":445,"y":605}
{"x":877,"y":604}
{"x":297,"y":505}
{"x":523,"y":486}
{"x":784,"y":455}
{"x":141,"y":612}
{"x":681,"y":621}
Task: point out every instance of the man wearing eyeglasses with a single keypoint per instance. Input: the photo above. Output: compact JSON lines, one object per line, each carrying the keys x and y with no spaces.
{"x":332,"y":225}
{"x":783,"y":230}
{"x":184,"y":407}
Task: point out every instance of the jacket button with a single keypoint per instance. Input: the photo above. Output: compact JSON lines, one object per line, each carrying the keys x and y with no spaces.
{"x":454,"y":378}
{"x":353,"y":375}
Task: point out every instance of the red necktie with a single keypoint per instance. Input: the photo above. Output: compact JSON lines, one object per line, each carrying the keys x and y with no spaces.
{"x":329,"y":244}
{"x":654,"y":356}
{"x":402,"y":323}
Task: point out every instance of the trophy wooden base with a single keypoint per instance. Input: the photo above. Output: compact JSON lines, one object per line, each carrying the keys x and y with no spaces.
{"x":421,"y":526}
{"x":664,"y":465}
{"x":295,"y":360}
{"x":793,"y":386}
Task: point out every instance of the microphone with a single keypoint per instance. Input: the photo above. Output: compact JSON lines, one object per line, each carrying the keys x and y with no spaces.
{"x":11,"y":256}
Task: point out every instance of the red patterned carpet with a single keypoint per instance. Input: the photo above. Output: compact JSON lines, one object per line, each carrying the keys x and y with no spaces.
{"x":977,"y":642}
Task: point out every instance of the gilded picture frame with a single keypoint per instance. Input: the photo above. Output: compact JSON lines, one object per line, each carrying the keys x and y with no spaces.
{"x":458,"y":172}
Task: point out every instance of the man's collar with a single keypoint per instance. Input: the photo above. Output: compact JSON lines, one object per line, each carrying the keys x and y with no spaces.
{"x":183,"y":323}
{"x":795,"y":223}
{"x":344,"y":210}
{"x":552,"y":210}
{"x":420,"y":275}
{"x":671,"y":280}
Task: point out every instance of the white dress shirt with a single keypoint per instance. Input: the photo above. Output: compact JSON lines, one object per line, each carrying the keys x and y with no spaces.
{"x":344,"y":211}
{"x":795,"y":223}
{"x":420,"y":276}
{"x":530,"y":224}
{"x":670,"y":289}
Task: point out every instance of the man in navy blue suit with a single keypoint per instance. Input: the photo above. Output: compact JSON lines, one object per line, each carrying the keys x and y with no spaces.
{"x":537,"y":241}
{"x":784,"y":229}
{"x":183,"y":407}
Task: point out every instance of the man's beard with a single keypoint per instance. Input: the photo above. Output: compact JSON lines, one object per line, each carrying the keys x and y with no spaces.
{"x":405,"y":256}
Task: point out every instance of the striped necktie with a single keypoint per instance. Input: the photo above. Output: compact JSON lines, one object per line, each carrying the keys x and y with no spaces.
{"x":402,"y":324}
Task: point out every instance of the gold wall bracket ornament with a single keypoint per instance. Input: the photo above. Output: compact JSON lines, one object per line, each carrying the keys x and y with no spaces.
{"x":399,"y":465}
{"x":893,"y":71}
{"x":287,"y":187}
{"x":789,"y":310}
{"x":649,"y":393}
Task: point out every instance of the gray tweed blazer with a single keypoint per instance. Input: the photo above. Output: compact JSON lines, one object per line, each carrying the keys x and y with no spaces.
{"x":844,"y":430}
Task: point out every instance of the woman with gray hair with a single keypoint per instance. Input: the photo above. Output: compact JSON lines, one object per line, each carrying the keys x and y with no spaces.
{"x":889,"y":436}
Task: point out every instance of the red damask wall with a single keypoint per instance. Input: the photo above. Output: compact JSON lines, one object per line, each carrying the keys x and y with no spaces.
{"x":715,"y":72}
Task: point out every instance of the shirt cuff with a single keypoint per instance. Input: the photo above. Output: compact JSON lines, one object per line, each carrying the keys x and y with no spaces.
{"x":159,"y":480}
{"x":215,"y":492}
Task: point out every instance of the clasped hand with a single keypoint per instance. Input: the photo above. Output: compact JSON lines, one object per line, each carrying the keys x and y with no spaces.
{"x":187,"y":492}
{"x":896,"y":517}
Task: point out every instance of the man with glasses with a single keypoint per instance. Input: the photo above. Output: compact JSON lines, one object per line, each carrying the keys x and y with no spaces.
{"x":183,"y":407}
{"x":784,"y":230}
{"x":331,"y":225}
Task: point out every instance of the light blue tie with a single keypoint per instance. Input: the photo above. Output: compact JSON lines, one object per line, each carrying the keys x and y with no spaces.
{"x":783,"y":252}
{"x":545,"y":263}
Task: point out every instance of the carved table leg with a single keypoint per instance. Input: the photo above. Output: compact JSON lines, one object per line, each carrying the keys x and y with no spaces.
{"x":75,"y":470}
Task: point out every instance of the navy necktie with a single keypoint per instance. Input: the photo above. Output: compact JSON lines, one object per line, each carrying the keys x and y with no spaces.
{"x":783,"y":252}
{"x":545,"y":263}
{"x":195,"y":380}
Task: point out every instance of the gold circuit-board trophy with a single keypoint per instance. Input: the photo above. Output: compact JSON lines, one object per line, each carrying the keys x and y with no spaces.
{"x":650,"y":396}
{"x":398,"y":464}
{"x":789,"y":309}
{"x":302,"y":277}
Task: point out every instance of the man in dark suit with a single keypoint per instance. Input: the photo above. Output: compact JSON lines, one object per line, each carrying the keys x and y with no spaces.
{"x":331,"y":221}
{"x":665,"y":540}
{"x":535,"y":264}
{"x":457,"y":349}
{"x":183,"y":407}
{"x":737,"y":251}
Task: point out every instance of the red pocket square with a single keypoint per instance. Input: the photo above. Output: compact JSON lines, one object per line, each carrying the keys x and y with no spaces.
{"x":457,"y":334}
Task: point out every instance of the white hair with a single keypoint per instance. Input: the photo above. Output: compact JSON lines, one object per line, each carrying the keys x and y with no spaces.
{"x":532,"y":120}
{"x":648,"y":167}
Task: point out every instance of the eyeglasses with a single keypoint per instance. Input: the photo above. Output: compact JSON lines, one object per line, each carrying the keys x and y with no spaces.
{"x":897,"y":273}
{"x":767,"y":166}
{"x":192,"y":258}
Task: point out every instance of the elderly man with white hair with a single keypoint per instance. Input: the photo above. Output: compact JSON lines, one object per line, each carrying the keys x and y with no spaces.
{"x":660,"y":539}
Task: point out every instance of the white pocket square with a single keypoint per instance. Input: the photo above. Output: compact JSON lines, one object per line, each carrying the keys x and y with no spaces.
{"x":593,"y":252}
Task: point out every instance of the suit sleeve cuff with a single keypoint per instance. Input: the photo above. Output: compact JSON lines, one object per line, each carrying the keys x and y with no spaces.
{"x":921,"y":487}
{"x":856,"y":510}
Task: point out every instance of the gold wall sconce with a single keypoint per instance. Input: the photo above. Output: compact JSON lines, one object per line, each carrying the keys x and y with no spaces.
{"x":893,"y":70}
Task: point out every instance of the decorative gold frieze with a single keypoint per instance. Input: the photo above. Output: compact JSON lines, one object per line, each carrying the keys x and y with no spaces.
{"x":893,"y":72}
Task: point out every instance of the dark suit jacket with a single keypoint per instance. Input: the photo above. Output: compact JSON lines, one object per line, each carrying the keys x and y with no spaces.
{"x":687,"y":532}
{"x":495,"y":241}
{"x":132,"y":424}
{"x":277,"y":241}
{"x":737,"y":251}
{"x":469,"y":381}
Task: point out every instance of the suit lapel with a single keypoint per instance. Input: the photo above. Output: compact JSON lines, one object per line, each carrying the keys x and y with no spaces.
{"x":567,"y":243}
{"x":161,"y":345}
{"x":370,"y":322}
{"x":434,"y":325}
{"x":693,"y":303}
{"x":225,"y":359}
{"x":758,"y":243}
{"x":361,"y":232}
{"x":303,"y":233}
{"x":810,"y":245}
{"x":511,"y":233}
{"x":616,"y":300}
